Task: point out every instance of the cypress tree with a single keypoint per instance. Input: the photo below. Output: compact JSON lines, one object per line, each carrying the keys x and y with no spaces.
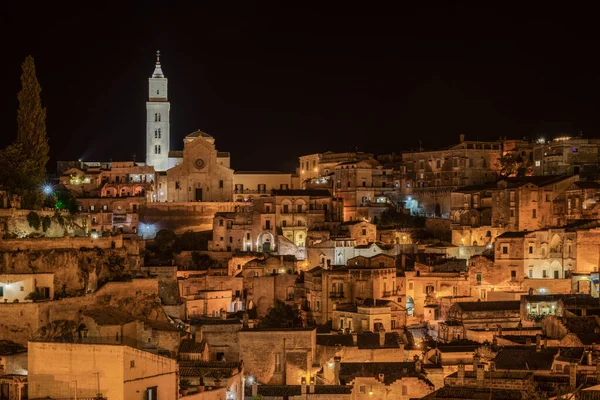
{"x":31,"y":123}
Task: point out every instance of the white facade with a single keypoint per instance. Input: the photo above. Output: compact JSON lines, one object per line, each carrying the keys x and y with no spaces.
{"x":157,"y":120}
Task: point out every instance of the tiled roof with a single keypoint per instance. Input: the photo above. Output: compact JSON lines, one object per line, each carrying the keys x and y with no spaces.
{"x":370,"y":340}
{"x":296,"y":390}
{"x":392,"y":371}
{"x":191,"y":346}
{"x":512,"y":305}
{"x":449,"y":392}
{"x":335,"y":340}
{"x":525,"y":358}
{"x":7,"y":348}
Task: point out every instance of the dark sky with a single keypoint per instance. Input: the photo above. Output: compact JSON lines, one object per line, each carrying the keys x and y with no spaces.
{"x":271,"y":84}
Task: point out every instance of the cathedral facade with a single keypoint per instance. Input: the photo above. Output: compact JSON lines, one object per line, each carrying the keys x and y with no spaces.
{"x":199,"y":172}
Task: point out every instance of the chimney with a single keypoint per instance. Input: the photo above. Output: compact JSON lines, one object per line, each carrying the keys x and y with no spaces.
{"x":480,"y":374}
{"x":462,"y":137}
{"x":538,"y":343}
{"x":254,"y":390}
{"x":461,"y":375}
{"x":573,"y":375}
{"x":476,"y":360}
{"x":418,"y":364}
{"x":381,"y":337}
{"x":336,"y":369}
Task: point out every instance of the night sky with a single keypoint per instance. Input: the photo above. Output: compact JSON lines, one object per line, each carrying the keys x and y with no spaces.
{"x":271,"y":84}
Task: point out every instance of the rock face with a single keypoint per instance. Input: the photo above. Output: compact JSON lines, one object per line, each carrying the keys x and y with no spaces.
{"x":76,"y":271}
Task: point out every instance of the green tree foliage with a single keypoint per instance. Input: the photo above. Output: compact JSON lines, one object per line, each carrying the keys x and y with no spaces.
{"x":282,"y":315}
{"x":66,"y":201}
{"x":401,"y":220}
{"x":31,"y":121}
{"x":34,"y":220}
{"x":23,"y":163}
{"x":46,"y":222}
{"x":36,"y":296}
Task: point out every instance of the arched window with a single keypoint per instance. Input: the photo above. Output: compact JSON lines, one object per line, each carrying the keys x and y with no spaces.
{"x":159,"y":149}
{"x":155,"y":149}
{"x":158,"y":117}
{"x":155,"y":117}
{"x":158,"y":133}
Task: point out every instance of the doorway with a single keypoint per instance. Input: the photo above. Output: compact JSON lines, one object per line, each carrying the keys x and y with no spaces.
{"x":198,"y":194}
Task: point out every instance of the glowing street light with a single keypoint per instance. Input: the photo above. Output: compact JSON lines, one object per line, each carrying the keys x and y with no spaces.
{"x":48,"y":190}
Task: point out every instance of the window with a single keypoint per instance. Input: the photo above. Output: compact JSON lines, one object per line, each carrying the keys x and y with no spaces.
{"x":159,"y":136}
{"x":512,"y":196}
{"x":512,"y":212}
{"x":404,"y":390}
{"x":530,"y":272}
{"x":220,"y":356}
{"x":364,"y":232}
{"x":91,"y":208}
{"x":220,"y":184}
{"x":277,"y":362}
{"x":220,"y":222}
{"x":1,"y":291}
{"x":299,"y":207}
{"x":230,"y":239}
{"x":132,"y":364}
{"x":574,"y":150}
{"x":513,"y":274}
{"x":555,"y":274}
{"x":22,"y":288}
{"x":285,"y":208}
{"x":152,"y":393}
{"x":534,"y":213}
{"x":547,"y":197}
{"x":105,"y":207}
{"x":504,"y":249}
{"x":155,"y":149}
{"x":479,"y":278}
{"x":177,"y":185}
{"x":159,"y":149}
{"x":268,"y":224}
{"x":362,"y":389}
{"x":544,"y":274}
{"x":393,"y":322}
{"x":530,"y":249}
{"x":538,"y":163}
{"x":284,"y":223}
{"x":267,"y":209}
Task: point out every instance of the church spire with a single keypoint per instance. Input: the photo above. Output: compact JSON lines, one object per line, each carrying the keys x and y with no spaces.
{"x":158,"y":70}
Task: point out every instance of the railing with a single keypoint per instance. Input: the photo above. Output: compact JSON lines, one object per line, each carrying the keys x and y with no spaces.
{"x":336,"y":295}
{"x":389,"y":293}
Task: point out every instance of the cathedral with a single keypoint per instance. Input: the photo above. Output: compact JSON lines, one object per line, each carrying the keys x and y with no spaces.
{"x":198,"y":172}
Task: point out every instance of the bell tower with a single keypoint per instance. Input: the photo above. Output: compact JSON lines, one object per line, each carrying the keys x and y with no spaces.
{"x":157,"y":120}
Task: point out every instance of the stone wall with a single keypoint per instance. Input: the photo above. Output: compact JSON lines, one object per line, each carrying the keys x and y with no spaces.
{"x":14,"y":222}
{"x":185,"y":216}
{"x":258,"y":349}
{"x":22,"y":321}
{"x":41,"y":244}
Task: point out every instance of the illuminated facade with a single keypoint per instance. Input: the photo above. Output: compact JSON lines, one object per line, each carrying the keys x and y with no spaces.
{"x":158,"y":123}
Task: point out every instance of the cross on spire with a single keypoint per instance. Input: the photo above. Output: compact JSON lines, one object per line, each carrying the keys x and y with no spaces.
{"x":158,"y":70}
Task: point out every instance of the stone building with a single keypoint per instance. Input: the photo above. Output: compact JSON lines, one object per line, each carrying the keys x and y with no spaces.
{"x":279,"y":356}
{"x":284,"y":218}
{"x":203,"y":174}
{"x":546,"y":253}
{"x":427,"y":285}
{"x":364,"y":187}
{"x":363,"y":232}
{"x":386,"y":380}
{"x":432,"y":175}
{"x":116,"y":370}
{"x":369,"y":315}
{"x":248,"y":185}
{"x":108,"y":214}
{"x":13,"y":370}
{"x":528,"y":203}
{"x":365,"y":278}
{"x":566,"y":155}
{"x":158,"y":120}
{"x":486,"y":314}
{"x":18,"y":287}
{"x":323,"y":164}
{"x":581,"y":201}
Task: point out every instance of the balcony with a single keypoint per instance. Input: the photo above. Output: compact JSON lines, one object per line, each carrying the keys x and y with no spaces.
{"x":336,"y":295}
{"x":390,"y":293}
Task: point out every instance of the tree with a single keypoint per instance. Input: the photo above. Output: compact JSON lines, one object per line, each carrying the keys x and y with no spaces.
{"x":282,"y":315}
{"x":31,"y":121}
